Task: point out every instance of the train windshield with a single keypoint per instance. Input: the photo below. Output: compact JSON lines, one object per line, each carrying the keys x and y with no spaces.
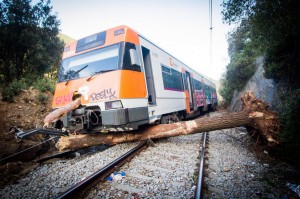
{"x":90,"y":63}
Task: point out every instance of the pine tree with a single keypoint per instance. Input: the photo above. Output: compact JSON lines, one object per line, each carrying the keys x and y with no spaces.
{"x":28,"y":39}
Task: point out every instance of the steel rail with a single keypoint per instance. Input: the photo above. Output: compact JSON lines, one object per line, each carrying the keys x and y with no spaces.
{"x":101,"y":174}
{"x":199,"y":193}
{"x":58,"y":155}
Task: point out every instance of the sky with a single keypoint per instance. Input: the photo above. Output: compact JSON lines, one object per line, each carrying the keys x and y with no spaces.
{"x":180,"y":27}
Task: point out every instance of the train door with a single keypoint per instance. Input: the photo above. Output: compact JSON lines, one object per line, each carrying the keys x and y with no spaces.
{"x":190,"y":89}
{"x":149,"y":76}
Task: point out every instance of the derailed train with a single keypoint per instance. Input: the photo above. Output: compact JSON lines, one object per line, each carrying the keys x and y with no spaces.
{"x":126,"y":81}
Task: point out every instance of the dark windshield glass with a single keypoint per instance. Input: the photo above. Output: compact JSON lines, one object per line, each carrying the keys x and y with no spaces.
{"x":83,"y":65}
{"x":126,"y":60}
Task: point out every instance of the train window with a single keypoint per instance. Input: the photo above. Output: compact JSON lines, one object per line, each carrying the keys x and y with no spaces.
{"x":91,"y":41}
{"x":166,"y":69}
{"x":198,"y":85}
{"x":126,"y":59}
{"x":192,"y":83}
{"x":185,"y":82}
{"x":90,"y":63}
{"x":172,"y":79}
{"x":207,"y":91}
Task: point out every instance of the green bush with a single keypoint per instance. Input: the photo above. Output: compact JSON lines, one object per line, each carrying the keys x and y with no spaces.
{"x":8,"y":94}
{"x":242,"y":57}
{"x":290,"y":121}
{"x":45,"y":84}
{"x":226,"y":91}
{"x":238,"y":72}
{"x":13,"y":89}
{"x":42,"y":98}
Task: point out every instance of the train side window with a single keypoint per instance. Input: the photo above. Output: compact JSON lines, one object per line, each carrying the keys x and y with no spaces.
{"x":127,"y":60}
{"x":198,"y":85}
{"x":172,"y":79}
{"x":166,"y":70}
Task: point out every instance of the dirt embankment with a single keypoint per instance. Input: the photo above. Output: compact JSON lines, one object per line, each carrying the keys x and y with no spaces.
{"x":26,"y":113}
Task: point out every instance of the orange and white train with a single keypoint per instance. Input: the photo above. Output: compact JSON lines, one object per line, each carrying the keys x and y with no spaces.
{"x":126,"y":81}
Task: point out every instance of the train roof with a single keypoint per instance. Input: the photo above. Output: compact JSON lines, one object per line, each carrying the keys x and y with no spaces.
{"x":100,"y":40}
{"x":125,"y":34}
{"x":203,"y":76}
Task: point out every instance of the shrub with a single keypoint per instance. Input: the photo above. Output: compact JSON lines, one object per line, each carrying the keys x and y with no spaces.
{"x":226,"y":91}
{"x":13,"y":89}
{"x":290,"y":121}
{"x":8,"y":94}
{"x":42,"y":98}
{"x":45,"y":84}
{"x":239,"y":71}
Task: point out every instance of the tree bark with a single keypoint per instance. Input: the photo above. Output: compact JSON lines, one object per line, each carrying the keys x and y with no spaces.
{"x":58,"y":113}
{"x":255,"y":114}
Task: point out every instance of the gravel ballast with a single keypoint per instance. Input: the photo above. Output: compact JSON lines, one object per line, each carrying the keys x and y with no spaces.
{"x":167,"y":170}
{"x":237,"y":167}
{"x":48,"y":180}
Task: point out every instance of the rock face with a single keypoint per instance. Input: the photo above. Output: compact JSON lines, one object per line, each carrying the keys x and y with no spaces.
{"x":264,"y":89}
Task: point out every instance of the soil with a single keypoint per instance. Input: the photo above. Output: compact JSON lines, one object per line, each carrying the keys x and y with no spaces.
{"x":26,"y":112}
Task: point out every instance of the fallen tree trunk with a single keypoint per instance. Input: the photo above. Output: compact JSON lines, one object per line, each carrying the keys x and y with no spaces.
{"x":255,"y":114}
{"x":58,"y":113}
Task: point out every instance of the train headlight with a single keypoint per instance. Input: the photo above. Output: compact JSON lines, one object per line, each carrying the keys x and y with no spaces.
{"x":113,"y":105}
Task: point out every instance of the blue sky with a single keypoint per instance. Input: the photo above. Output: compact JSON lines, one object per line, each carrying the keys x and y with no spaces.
{"x":181,"y":27}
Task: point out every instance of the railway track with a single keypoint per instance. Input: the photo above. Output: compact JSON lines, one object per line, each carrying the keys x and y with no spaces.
{"x":101,"y":174}
{"x":166,"y":170}
{"x":199,"y":191}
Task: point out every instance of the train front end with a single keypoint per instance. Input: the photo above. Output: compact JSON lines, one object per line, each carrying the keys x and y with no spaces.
{"x":105,"y":68}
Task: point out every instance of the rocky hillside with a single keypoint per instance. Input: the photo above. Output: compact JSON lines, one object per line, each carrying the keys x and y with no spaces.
{"x":264,"y":89}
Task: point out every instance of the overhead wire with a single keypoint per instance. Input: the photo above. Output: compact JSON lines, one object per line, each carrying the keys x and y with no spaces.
{"x":211,"y":28}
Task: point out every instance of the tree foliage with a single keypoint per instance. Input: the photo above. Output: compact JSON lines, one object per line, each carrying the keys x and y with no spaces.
{"x":270,"y":28}
{"x":28,"y":39}
{"x":290,"y":121}
{"x":275,"y":31}
{"x":242,"y":56}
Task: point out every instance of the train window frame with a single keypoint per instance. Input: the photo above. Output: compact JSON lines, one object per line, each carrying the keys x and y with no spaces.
{"x":201,"y":85}
{"x":167,"y":69}
{"x":65,"y":63}
{"x":171,"y":75}
{"x":126,"y":60}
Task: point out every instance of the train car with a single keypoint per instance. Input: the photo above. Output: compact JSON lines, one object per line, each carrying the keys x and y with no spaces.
{"x":126,"y":81}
